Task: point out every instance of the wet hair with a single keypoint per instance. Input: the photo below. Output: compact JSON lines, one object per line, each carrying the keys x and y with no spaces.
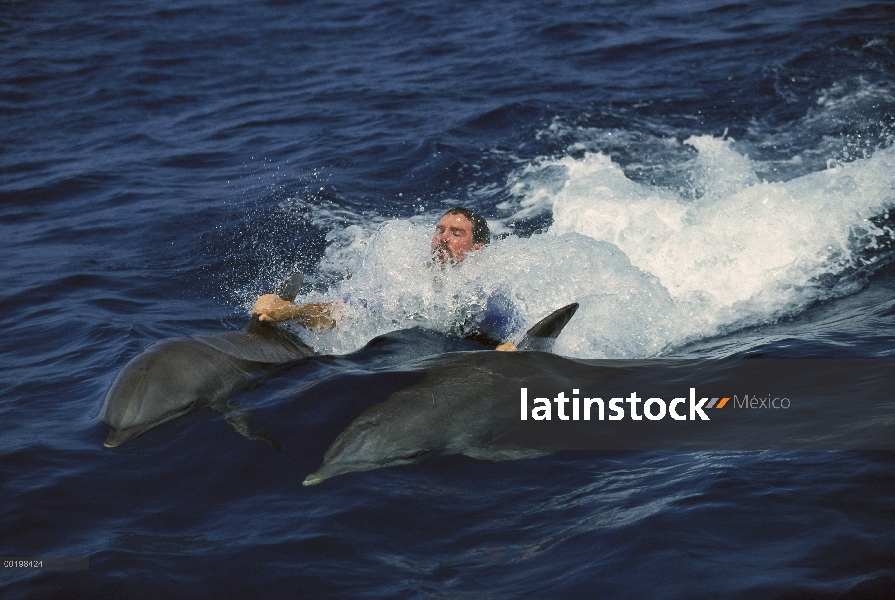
{"x":480,"y":231}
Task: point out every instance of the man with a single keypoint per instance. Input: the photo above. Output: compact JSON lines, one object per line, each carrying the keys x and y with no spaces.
{"x":458,"y":232}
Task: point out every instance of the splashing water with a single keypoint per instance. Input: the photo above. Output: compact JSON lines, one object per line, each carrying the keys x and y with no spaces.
{"x":651,"y":268}
{"x":745,"y":250}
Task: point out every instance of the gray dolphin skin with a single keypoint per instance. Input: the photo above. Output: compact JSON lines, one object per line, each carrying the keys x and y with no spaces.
{"x":176,"y":376}
{"x":447,"y":412}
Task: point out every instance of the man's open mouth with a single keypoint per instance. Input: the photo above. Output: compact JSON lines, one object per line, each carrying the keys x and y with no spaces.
{"x":442,"y":253}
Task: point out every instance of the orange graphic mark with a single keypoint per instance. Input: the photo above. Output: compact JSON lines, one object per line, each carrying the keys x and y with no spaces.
{"x":722,"y":403}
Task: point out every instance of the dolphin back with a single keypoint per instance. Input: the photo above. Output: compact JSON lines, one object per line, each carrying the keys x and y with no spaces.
{"x":260,"y":342}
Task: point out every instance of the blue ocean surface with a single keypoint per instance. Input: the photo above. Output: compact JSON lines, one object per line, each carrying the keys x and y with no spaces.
{"x":709,"y":179}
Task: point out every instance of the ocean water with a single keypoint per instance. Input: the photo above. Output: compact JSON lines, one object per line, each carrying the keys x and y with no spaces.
{"x":709,"y":180}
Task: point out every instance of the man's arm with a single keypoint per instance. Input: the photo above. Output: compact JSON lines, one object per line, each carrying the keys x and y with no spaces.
{"x":270,"y":308}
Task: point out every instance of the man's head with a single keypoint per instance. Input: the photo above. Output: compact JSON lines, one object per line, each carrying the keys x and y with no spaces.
{"x":459,"y":231}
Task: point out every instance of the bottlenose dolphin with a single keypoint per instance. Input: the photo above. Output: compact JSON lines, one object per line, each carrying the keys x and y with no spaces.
{"x":447,"y":412}
{"x":176,"y":376}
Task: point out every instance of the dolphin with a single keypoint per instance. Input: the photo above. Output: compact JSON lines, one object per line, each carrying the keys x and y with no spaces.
{"x":176,"y":376}
{"x":447,"y":412}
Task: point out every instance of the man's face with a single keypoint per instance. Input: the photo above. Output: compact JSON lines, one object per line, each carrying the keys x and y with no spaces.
{"x":453,"y":239}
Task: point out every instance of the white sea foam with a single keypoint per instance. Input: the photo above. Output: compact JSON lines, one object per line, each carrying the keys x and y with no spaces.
{"x":746,"y":250}
{"x":652,"y":268}
{"x":394,"y":284}
{"x":686,"y":240}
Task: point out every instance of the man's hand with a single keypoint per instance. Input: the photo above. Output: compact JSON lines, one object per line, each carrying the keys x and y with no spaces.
{"x":271,"y":308}
{"x":507,"y":347}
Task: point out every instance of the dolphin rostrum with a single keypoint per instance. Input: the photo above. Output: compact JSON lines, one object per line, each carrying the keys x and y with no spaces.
{"x":179,"y":375}
{"x":447,"y":412}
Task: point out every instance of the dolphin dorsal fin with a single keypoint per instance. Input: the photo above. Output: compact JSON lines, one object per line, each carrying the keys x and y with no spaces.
{"x":288,"y":290}
{"x":547,"y":328}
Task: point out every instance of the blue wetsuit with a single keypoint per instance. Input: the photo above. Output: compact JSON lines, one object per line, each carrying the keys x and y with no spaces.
{"x":494,"y":325}
{"x":497,"y":323}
